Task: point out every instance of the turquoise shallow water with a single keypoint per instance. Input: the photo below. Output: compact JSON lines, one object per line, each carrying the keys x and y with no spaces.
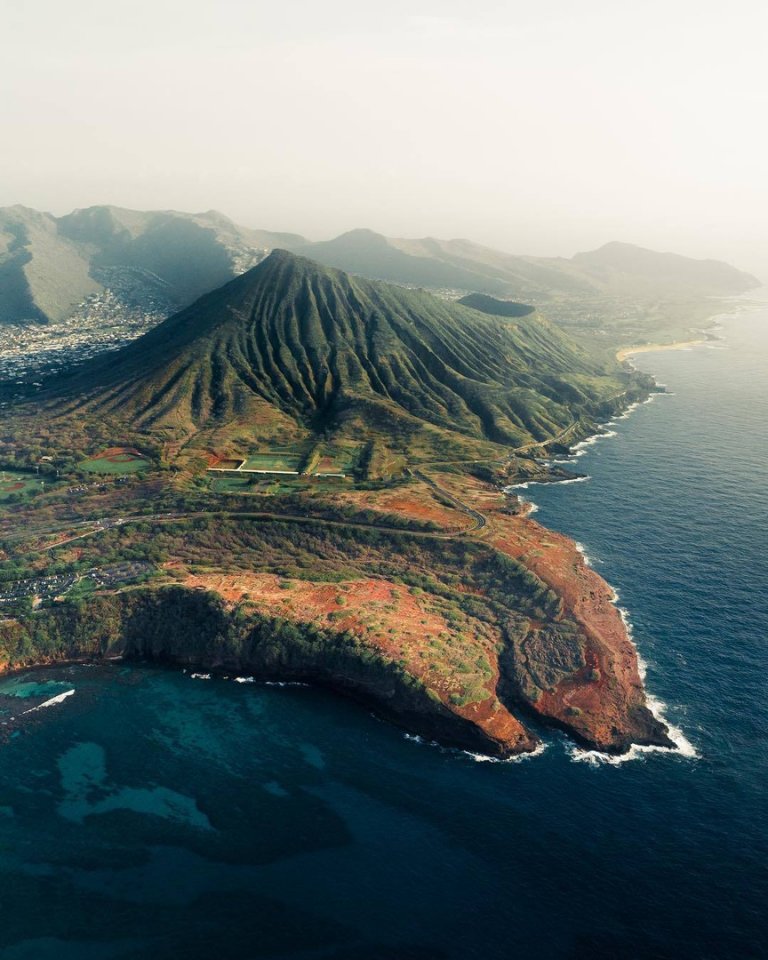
{"x":153,"y":815}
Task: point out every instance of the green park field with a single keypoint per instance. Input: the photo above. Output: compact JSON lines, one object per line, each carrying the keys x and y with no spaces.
{"x":118,"y":461}
{"x":18,"y":482}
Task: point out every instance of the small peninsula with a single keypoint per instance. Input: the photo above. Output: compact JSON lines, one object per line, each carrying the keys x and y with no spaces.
{"x":301,"y":477}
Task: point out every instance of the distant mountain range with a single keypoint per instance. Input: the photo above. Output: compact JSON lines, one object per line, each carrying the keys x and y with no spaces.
{"x":50,"y":265}
{"x":294,"y":344}
{"x":615,"y":270}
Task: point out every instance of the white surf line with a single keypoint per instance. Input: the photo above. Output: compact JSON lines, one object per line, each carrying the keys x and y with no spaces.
{"x":589,"y":561}
{"x":60,"y":698}
{"x":528,"y":506}
{"x":545,"y":483}
{"x":518,"y":758}
{"x":476,"y":757}
{"x":264,"y":683}
{"x":683,"y":747}
{"x":581,"y":447}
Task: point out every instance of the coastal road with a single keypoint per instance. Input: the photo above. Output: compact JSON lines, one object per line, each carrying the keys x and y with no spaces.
{"x":479,"y":519}
{"x":261,"y":515}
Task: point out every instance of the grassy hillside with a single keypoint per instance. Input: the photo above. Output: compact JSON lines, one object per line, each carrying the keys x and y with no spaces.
{"x":313,"y":347}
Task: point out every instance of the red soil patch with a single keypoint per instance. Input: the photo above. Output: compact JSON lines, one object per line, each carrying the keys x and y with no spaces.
{"x":353,"y":604}
{"x":416,"y":501}
{"x":8,"y":487}
{"x":129,"y":453}
{"x":389,"y":618}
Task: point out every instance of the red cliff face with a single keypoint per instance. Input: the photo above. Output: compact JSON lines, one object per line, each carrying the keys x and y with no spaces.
{"x":451,"y":672}
{"x":601,"y":698}
{"x":406,"y":631}
{"x":579,"y":671}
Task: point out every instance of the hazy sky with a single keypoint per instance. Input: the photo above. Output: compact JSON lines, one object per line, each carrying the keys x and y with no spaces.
{"x":538,"y":126}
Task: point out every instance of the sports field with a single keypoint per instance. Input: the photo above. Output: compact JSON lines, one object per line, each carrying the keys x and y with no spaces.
{"x":273,"y":461}
{"x":116,"y":460}
{"x":332,"y":460}
{"x":12,"y":482}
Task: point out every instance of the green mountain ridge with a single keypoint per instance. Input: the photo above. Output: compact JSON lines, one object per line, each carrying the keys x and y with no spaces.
{"x":335,"y":353}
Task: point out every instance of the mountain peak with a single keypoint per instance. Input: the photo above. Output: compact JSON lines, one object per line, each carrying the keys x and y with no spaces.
{"x":281,"y":255}
{"x":280,"y":267}
{"x":329,"y":352}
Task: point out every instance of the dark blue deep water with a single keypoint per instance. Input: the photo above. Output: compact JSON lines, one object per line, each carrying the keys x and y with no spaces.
{"x":151,"y":815}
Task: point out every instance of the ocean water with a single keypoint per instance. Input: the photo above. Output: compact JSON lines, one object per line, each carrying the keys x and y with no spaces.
{"x":149,"y":814}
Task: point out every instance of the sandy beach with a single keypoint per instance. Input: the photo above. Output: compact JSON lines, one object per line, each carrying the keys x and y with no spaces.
{"x":627,"y":352}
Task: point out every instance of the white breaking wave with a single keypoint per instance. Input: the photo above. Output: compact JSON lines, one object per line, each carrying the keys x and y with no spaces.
{"x":629,"y":411}
{"x":545,"y":483}
{"x":519,"y":758}
{"x":587,"y":559}
{"x":589,"y":441}
{"x":60,"y":698}
{"x":200,"y":676}
{"x":476,"y":757}
{"x":683,"y":747}
{"x":271,"y":683}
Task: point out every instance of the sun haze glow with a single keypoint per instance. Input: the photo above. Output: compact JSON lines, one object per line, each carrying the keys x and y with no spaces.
{"x":535,"y":127}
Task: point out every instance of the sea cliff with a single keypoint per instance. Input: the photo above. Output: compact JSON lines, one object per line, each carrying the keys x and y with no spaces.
{"x":508,"y":624}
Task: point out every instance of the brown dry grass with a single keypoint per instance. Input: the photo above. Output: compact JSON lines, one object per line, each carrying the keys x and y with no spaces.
{"x":416,"y":500}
